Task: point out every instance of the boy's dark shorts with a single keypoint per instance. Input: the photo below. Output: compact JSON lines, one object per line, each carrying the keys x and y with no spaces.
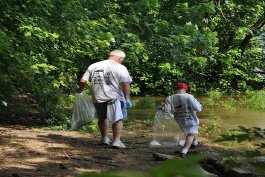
{"x":101,"y":109}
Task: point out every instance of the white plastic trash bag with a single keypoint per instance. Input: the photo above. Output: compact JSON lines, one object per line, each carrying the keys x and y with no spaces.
{"x":83,"y":112}
{"x":166,"y":131}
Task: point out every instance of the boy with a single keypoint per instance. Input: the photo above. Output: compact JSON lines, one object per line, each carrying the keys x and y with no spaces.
{"x":184,"y":107}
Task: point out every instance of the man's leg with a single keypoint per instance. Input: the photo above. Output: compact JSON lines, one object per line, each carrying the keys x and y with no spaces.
{"x":117,"y":129}
{"x":103,"y":122}
{"x":103,"y":125}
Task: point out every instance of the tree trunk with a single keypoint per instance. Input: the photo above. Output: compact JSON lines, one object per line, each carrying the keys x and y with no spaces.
{"x":254,"y":28}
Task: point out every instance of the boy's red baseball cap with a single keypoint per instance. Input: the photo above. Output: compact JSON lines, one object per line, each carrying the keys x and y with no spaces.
{"x":181,"y":85}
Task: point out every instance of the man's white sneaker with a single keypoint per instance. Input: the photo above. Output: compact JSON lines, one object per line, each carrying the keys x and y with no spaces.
{"x":118,"y":144}
{"x":105,"y":141}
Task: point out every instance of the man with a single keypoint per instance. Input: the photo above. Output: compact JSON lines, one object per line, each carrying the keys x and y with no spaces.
{"x":110,"y":90}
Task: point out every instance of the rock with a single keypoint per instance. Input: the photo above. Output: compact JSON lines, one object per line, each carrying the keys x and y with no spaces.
{"x":259,"y":161}
{"x":239,"y":172}
{"x":160,"y":156}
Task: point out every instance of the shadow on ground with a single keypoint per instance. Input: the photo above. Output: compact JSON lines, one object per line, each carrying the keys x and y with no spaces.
{"x":26,"y":151}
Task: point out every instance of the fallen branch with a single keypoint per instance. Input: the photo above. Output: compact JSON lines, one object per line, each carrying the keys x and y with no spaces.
{"x":71,"y":159}
{"x":103,"y":163}
{"x":26,"y":163}
{"x":98,"y":162}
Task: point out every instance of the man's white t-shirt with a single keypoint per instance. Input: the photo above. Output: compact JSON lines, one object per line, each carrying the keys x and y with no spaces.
{"x":184,"y":108}
{"x":105,"y":77}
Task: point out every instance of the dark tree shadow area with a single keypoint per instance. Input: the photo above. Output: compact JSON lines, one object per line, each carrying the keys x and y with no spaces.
{"x":22,"y":111}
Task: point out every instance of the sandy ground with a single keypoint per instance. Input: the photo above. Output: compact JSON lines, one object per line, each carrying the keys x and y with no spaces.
{"x":39,"y":152}
{"x":26,"y":151}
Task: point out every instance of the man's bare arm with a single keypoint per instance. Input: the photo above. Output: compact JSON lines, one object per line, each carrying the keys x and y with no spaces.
{"x":82,"y":85}
{"x":126,"y":89}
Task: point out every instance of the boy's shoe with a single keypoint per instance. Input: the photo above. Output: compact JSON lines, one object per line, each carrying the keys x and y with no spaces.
{"x":118,"y":145}
{"x":182,"y":155}
{"x":105,"y":141}
{"x":198,"y":145}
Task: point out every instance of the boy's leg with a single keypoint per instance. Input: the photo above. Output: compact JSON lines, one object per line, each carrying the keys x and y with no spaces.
{"x":188,"y":142}
{"x":195,"y":142}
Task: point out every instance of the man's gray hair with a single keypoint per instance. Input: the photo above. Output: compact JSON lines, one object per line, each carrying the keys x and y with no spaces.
{"x":118,"y":53}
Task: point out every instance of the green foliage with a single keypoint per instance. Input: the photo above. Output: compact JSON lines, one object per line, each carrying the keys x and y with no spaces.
{"x":59,"y":127}
{"x":231,"y":101}
{"x":145,"y":103}
{"x":45,"y":46}
{"x":254,"y":100}
{"x":213,"y":98}
{"x":92,"y":127}
{"x":245,"y":134}
{"x":260,"y":170}
{"x":187,"y":167}
{"x":148,"y":122}
{"x":229,"y":163}
{"x":212,"y":128}
{"x":112,"y":174}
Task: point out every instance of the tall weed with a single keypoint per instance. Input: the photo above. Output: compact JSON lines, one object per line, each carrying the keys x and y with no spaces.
{"x":253,"y":100}
{"x":249,"y":99}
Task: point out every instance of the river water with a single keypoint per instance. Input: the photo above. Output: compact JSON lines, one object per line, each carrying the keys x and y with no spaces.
{"x":145,"y":108}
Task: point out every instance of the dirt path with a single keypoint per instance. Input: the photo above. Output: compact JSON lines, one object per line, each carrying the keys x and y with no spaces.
{"x":38,"y":152}
{"x":35,"y":152}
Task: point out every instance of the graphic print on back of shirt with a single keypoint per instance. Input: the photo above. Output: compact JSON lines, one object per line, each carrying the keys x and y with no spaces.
{"x":107,"y":78}
{"x":98,"y":76}
{"x":182,"y":111}
{"x":101,"y":77}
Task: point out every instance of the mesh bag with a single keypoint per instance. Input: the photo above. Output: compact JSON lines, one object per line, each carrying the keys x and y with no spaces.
{"x":83,"y":112}
{"x":166,"y":132}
